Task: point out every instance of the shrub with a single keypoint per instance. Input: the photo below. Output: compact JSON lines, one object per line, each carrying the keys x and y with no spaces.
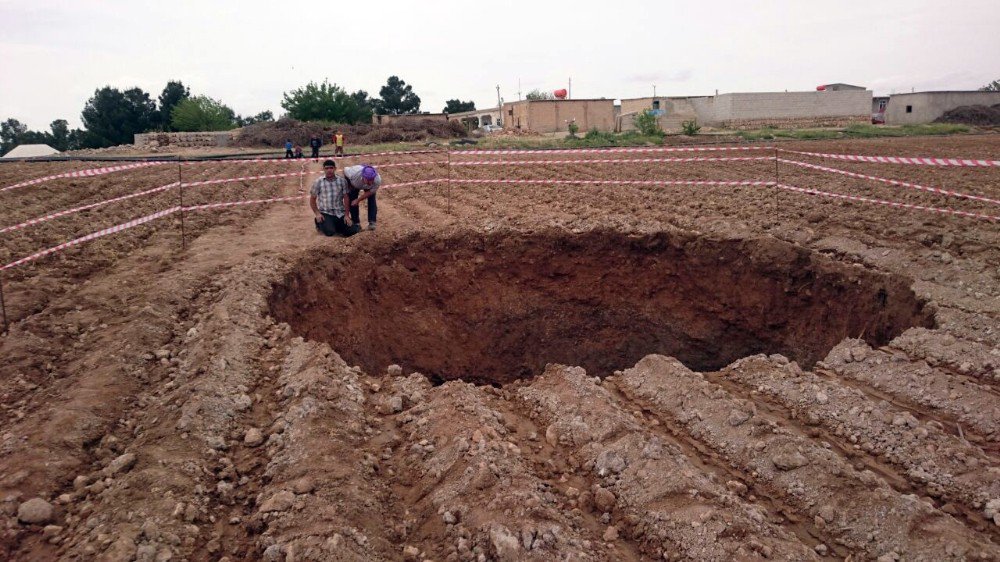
{"x":573,"y":129}
{"x":647,"y":124}
{"x":690,"y":128}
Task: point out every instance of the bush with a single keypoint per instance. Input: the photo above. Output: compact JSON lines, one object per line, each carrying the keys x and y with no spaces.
{"x":647,"y":124}
{"x":690,"y":128}
{"x":573,"y":129}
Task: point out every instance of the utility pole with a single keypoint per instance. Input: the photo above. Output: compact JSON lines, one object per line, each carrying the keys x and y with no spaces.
{"x":518,"y":89}
{"x":500,"y":106}
{"x":569,"y":95}
{"x":654,"y":90}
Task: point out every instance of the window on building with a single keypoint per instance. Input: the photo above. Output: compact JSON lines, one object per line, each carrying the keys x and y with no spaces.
{"x":656,"y":104}
{"x":909,"y":109}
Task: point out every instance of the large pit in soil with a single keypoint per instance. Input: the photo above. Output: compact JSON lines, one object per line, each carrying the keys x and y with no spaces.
{"x":494,"y":308}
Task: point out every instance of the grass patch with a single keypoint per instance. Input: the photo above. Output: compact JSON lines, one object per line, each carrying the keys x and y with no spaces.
{"x":854,"y":131}
{"x":869,"y":131}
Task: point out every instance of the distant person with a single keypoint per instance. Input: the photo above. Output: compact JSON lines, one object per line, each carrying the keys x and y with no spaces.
{"x":314,"y":144}
{"x":288,"y":149}
{"x":328,"y":199}
{"x":363,"y":182}
{"x":298,"y":151}
{"x":338,"y":143}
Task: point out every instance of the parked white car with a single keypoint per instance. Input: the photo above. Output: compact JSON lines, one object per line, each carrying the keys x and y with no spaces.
{"x":491,"y":128}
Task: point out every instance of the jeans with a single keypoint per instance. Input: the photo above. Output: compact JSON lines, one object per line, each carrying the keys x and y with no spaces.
{"x":356,"y":211}
{"x":315,"y":153}
{"x":332,"y":224}
{"x":288,"y":153}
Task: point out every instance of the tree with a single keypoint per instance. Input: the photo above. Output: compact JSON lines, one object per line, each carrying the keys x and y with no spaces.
{"x":174,"y":93}
{"x":113,"y":117}
{"x":10,"y":134}
{"x":262,"y":117}
{"x":397,"y":98}
{"x":536,"y":94}
{"x":325,"y":102}
{"x":60,"y":137}
{"x":14,"y":133}
{"x":365,"y":106}
{"x":993,"y":86}
{"x":202,"y":113}
{"x":458,"y":106}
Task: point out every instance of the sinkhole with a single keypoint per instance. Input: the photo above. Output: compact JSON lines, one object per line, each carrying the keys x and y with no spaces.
{"x":492,"y":308}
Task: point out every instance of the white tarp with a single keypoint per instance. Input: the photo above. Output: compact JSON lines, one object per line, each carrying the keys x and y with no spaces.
{"x":31,"y":150}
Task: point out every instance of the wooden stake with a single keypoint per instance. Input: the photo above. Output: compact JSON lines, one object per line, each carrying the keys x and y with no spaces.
{"x":180,"y":190}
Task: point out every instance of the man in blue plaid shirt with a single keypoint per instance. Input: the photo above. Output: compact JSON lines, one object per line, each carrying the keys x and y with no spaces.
{"x":329,"y":198}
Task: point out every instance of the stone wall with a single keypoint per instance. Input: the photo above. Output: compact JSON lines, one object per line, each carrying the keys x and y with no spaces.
{"x":186,"y":140}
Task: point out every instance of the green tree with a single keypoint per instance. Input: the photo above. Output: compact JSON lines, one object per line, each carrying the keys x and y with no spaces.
{"x":60,"y":135}
{"x":113,"y":117}
{"x":361,"y":111}
{"x":458,"y":106}
{"x":174,"y":93}
{"x":325,"y":102}
{"x":993,"y":86}
{"x":536,"y":94}
{"x":202,"y":113}
{"x":397,"y":98}
{"x":647,"y":123}
{"x":262,"y":117}
{"x":10,"y":134}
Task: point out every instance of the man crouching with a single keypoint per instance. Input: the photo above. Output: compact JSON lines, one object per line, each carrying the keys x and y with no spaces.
{"x":329,"y":199}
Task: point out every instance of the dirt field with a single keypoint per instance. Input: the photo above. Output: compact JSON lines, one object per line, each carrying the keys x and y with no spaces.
{"x":509,"y":372}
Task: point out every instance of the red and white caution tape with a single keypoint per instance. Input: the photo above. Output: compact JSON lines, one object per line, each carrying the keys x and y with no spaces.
{"x":92,"y":236}
{"x":608,"y":161}
{"x":241,"y":178}
{"x":137,"y":194}
{"x":618,"y":182}
{"x":947,"y":192}
{"x":84,"y":173}
{"x":897,"y":204}
{"x":412,"y":183}
{"x":609,"y":150}
{"x":239,"y":203}
{"x":918,"y":161}
{"x":87,"y":207}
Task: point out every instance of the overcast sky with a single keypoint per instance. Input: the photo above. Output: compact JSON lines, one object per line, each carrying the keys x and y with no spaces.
{"x":53,"y":55}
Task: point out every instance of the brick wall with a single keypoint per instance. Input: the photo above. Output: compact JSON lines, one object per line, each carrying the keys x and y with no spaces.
{"x":553,"y":116}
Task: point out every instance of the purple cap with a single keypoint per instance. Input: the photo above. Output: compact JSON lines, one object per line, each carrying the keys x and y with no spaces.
{"x":368,"y":173}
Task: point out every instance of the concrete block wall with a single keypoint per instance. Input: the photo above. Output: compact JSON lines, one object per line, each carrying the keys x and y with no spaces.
{"x":925,"y":107}
{"x":186,"y":140}
{"x":800,"y":108}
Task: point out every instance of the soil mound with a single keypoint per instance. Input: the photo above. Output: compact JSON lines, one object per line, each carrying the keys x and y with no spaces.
{"x":277,"y":132}
{"x":979,"y":115}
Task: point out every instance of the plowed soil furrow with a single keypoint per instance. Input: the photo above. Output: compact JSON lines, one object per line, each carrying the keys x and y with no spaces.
{"x":821,"y":484}
{"x":644,"y":481}
{"x":464,"y":475}
{"x":952,"y":401}
{"x":926,"y":458}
